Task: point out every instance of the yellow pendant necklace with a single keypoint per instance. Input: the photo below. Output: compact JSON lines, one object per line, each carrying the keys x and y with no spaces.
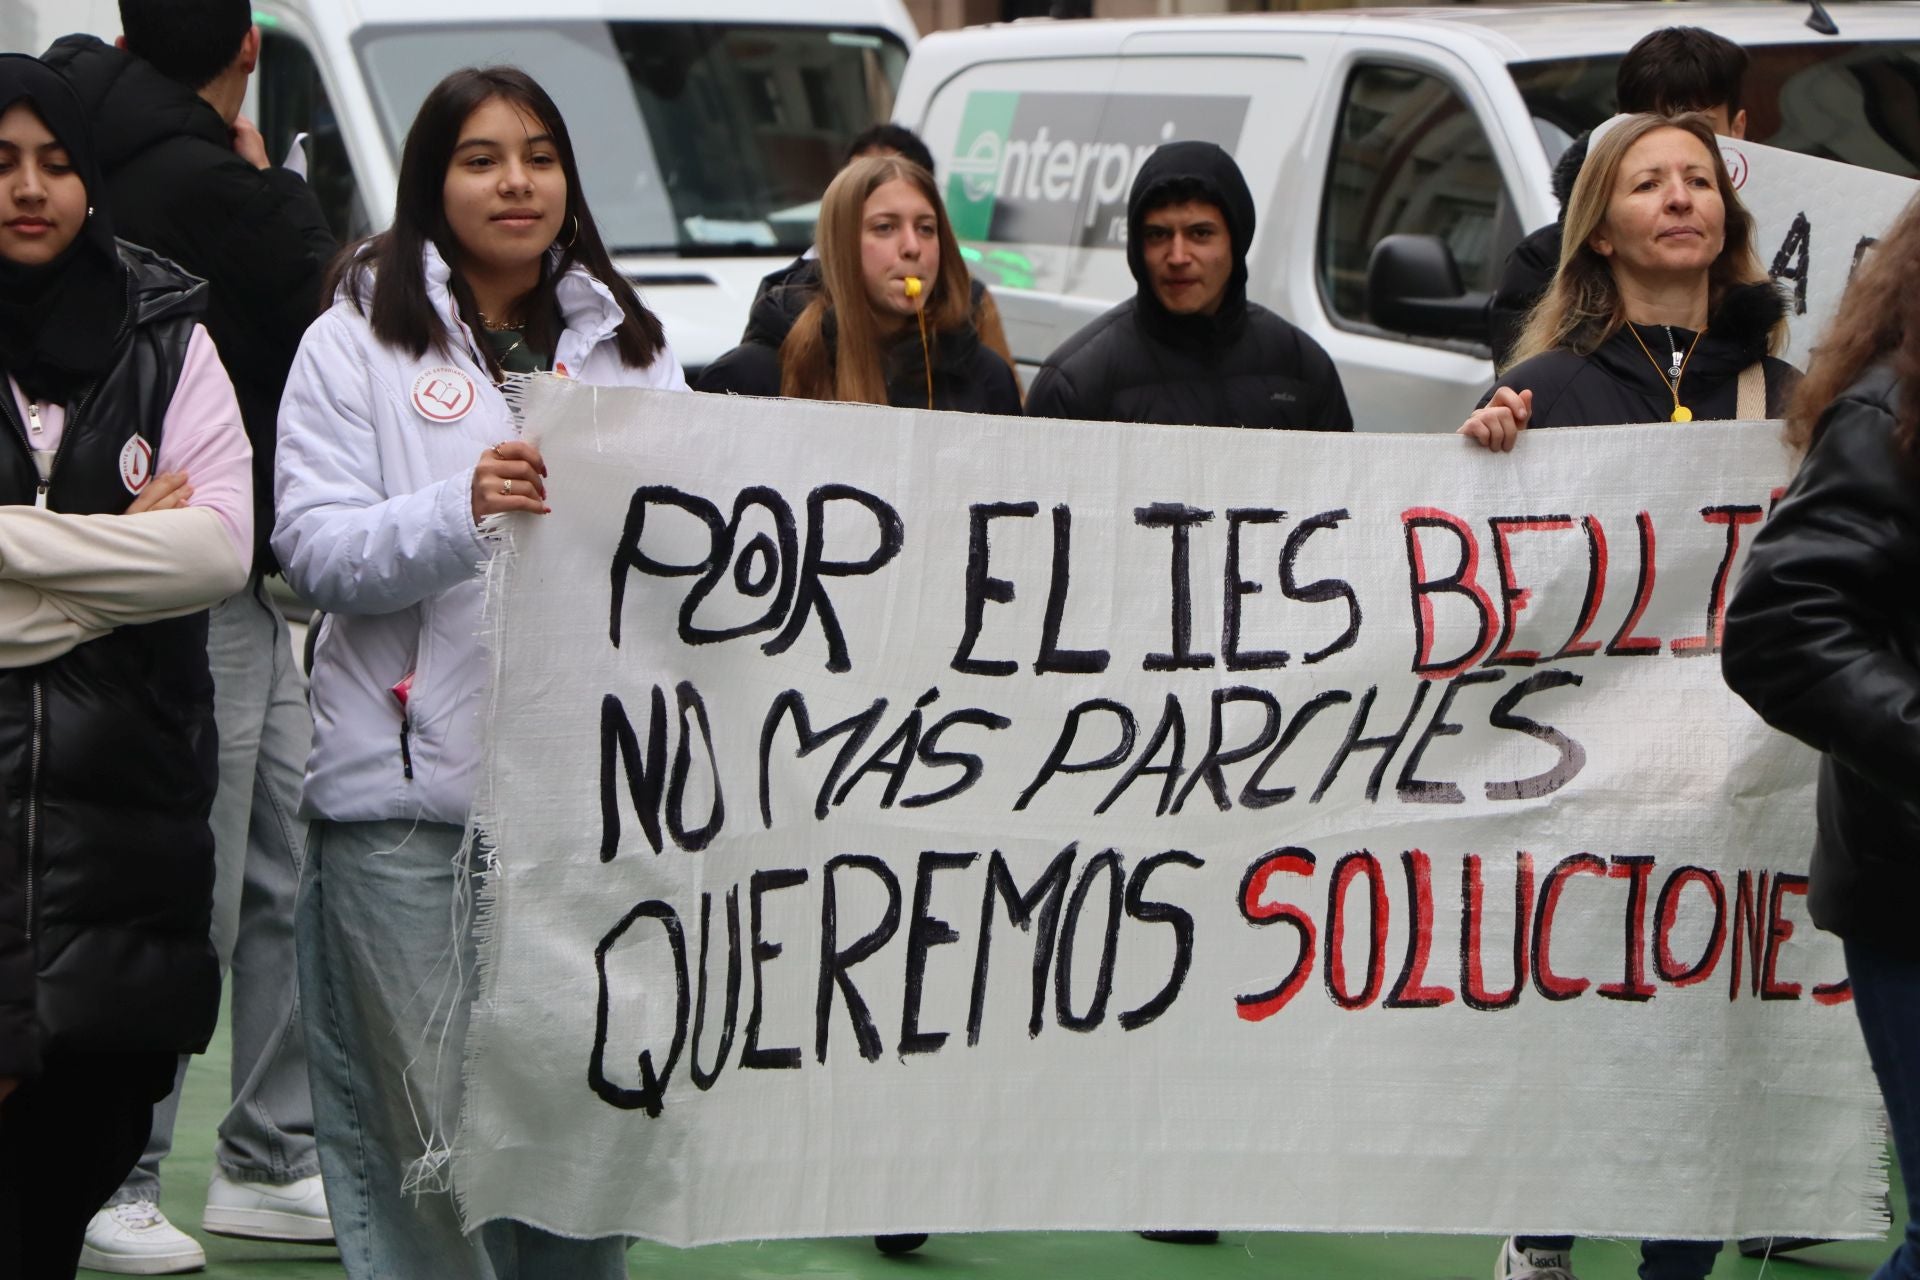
{"x":1680,"y":412}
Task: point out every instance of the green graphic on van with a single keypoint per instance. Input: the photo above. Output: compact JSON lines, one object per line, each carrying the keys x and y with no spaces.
{"x":975,"y":171}
{"x":1055,"y":168}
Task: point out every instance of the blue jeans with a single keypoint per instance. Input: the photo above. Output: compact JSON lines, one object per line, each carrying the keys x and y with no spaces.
{"x":260,"y":710}
{"x":1886,"y":998}
{"x":1659,"y":1259}
{"x":386,"y":978}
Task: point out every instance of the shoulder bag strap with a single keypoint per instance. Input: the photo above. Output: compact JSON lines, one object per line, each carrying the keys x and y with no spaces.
{"x":1751,"y":403}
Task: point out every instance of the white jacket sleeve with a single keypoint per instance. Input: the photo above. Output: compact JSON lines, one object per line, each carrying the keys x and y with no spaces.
{"x":102,"y":572}
{"x":33,"y":629}
{"x":344,"y":543}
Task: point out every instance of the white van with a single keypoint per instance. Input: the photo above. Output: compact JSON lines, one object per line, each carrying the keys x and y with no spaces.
{"x":706,"y":129}
{"x":1351,"y":127}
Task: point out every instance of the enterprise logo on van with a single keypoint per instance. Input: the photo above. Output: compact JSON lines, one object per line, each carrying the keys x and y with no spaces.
{"x":1055,"y":168}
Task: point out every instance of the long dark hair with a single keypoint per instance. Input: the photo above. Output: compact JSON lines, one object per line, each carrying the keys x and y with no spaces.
{"x":402,"y":316}
{"x":1878,"y":317}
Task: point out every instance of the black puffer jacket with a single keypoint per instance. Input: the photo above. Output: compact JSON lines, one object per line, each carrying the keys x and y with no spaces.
{"x":1243,"y":366}
{"x":1619,"y":383}
{"x":967,"y":375}
{"x":108,"y":754}
{"x":1823,"y":639}
{"x":19,"y":975}
{"x":1533,"y":263}
{"x":256,"y":236}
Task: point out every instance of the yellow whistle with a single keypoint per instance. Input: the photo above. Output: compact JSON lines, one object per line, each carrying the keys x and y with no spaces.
{"x":912,"y":286}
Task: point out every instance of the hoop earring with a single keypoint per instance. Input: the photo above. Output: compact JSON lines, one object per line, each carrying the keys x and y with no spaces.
{"x":576,"y":233}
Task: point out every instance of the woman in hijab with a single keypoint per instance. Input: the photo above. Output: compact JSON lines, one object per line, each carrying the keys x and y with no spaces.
{"x":125,"y":510}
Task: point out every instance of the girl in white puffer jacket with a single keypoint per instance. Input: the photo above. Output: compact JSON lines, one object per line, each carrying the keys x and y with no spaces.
{"x":395,"y":444}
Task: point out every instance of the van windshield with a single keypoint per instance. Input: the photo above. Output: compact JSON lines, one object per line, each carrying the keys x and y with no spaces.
{"x":691,"y":137}
{"x":1854,"y":102}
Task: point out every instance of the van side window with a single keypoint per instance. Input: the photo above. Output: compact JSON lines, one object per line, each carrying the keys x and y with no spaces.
{"x":1409,"y":157}
{"x":1858,"y":103}
{"x":293,"y":101}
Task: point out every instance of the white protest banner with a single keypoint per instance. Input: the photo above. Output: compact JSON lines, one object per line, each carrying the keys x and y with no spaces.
{"x":1814,"y":220}
{"x":914,"y":821}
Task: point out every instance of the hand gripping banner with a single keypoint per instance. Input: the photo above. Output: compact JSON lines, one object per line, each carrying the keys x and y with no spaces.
{"x":918,"y":821}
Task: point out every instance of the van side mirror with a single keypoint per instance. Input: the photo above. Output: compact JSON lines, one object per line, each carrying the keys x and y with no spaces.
{"x":1414,"y":287}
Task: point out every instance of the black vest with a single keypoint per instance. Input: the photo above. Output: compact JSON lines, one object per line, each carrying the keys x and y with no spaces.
{"x":108,"y":754}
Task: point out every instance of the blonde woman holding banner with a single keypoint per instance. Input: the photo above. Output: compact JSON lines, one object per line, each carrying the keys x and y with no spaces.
{"x":1661,"y":311}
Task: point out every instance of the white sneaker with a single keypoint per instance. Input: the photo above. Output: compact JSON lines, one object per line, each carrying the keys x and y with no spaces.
{"x":1532,"y":1264}
{"x":135,"y":1239}
{"x":295,"y":1212}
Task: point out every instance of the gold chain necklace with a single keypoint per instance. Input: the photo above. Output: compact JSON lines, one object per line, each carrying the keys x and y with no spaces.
{"x":1680,"y":412}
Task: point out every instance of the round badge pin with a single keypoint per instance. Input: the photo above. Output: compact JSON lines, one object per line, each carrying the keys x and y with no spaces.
{"x":136,"y":464}
{"x":443,"y":394}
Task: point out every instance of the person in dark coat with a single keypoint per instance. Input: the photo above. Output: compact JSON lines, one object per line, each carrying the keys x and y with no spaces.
{"x":1188,"y":348}
{"x":858,"y":333}
{"x":189,"y":177}
{"x":1670,"y":71}
{"x":1823,"y":640}
{"x":1663,"y":314}
{"x":125,"y":510}
{"x":192,"y":181}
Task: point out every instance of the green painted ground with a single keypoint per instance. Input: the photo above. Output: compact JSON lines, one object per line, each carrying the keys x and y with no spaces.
{"x":1050,"y":1256}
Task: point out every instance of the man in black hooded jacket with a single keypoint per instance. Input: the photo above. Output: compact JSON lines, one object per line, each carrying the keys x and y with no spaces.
{"x":1188,"y":347}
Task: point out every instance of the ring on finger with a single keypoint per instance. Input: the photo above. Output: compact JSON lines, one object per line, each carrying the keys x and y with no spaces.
{"x":506,"y":487}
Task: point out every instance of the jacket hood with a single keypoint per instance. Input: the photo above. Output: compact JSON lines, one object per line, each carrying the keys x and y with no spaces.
{"x":160,"y":289}
{"x":1566,"y":170}
{"x":1736,"y":335}
{"x":1213,"y":171}
{"x":777,"y":307}
{"x":132,"y":106}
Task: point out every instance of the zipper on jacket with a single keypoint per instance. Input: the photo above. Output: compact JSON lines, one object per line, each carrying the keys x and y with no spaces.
{"x":12,"y":415}
{"x":33,"y":793}
{"x":406,"y":749}
{"x":37,"y":741}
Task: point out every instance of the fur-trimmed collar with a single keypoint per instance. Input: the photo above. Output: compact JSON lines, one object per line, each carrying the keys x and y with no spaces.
{"x":1742,"y":323}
